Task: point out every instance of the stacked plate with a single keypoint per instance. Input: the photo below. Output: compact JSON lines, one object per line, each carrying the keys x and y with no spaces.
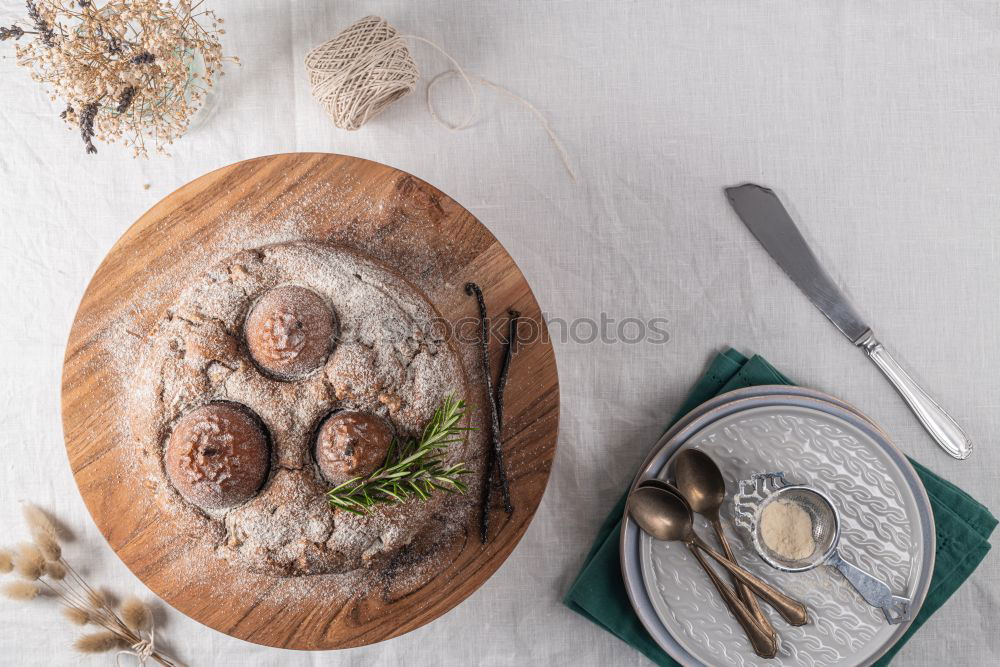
{"x":886,"y":521}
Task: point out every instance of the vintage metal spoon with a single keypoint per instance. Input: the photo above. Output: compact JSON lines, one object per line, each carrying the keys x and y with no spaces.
{"x":763,"y":641}
{"x":701,"y":483}
{"x":668,"y":517}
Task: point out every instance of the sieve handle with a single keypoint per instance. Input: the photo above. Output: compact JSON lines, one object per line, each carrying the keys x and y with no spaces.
{"x":874,"y":591}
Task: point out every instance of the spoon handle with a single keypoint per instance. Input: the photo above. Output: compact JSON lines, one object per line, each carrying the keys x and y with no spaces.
{"x":790,"y":609}
{"x":764,"y":642}
{"x":749,"y":599}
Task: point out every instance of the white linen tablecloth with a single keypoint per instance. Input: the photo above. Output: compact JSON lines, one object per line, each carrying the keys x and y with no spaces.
{"x":876,"y":121}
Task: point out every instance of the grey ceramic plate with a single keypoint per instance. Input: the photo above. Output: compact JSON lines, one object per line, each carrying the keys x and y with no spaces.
{"x":796,"y":430}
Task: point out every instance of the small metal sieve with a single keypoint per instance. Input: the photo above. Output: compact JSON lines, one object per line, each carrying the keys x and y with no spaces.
{"x":763,"y":489}
{"x":825,"y":527}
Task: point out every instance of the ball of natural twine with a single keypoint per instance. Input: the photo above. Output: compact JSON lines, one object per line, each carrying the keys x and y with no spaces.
{"x":368,"y":66}
{"x":361,"y":71}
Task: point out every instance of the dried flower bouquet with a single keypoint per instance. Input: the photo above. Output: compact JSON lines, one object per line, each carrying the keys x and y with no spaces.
{"x":134,"y":71}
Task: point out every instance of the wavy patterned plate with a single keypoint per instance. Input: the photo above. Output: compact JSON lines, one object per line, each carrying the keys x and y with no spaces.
{"x":886,"y":520}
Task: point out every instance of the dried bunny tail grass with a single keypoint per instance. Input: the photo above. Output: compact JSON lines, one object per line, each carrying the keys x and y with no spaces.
{"x":29,"y":562}
{"x":136,"y":614}
{"x":76,"y":615}
{"x":21,"y":591}
{"x":48,"y":546}
{"x":55,"y":570}
{"x":97,"y":642}
{"x":39,"y":523}
{"x":97,"y":598}
{"x":6,"y":561}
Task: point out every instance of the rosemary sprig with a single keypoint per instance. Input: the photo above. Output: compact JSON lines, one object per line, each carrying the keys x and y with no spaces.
{"x":414,"y":468}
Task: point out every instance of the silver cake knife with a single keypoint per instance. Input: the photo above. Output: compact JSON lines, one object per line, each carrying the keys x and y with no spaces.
{"x":762,"y":212}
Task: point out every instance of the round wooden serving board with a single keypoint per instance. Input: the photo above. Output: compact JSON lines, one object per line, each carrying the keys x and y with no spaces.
{"x":385,"y":213}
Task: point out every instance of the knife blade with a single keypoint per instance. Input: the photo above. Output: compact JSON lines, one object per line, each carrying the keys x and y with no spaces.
{"x":762,"y":212}
{"x":765,"y":216}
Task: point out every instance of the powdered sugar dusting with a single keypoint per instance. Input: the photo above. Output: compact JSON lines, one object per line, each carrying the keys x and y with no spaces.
{"x":387,"y":360}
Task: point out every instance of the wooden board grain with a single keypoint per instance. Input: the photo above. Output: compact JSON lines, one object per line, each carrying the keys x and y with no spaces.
{"x":383,"y":212}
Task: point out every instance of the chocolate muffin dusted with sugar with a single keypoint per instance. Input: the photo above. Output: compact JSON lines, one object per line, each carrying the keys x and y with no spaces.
{"x":217,"y":456}
{"x":290,"y":331}
{"x":278,"y":374}
{"x":351,"y":444}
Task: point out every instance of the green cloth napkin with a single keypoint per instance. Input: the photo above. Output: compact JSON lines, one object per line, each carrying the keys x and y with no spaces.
{"x":962,"y":524}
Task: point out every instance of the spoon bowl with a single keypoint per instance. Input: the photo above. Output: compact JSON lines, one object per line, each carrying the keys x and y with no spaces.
{"x":661,"y":513}
{"x":700,"y":481}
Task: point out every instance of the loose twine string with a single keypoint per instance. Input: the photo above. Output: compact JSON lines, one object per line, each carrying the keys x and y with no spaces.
{"x":367,"y":67}
{"x":142,"y":649}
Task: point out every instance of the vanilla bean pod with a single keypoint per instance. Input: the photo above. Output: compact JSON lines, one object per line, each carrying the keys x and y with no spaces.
{"x":505,"y":367}
{"x":484,"y":519}
{"x":496,"y":441}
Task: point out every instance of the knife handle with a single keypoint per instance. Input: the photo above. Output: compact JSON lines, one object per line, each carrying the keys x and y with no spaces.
{"x":938,"y":423}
